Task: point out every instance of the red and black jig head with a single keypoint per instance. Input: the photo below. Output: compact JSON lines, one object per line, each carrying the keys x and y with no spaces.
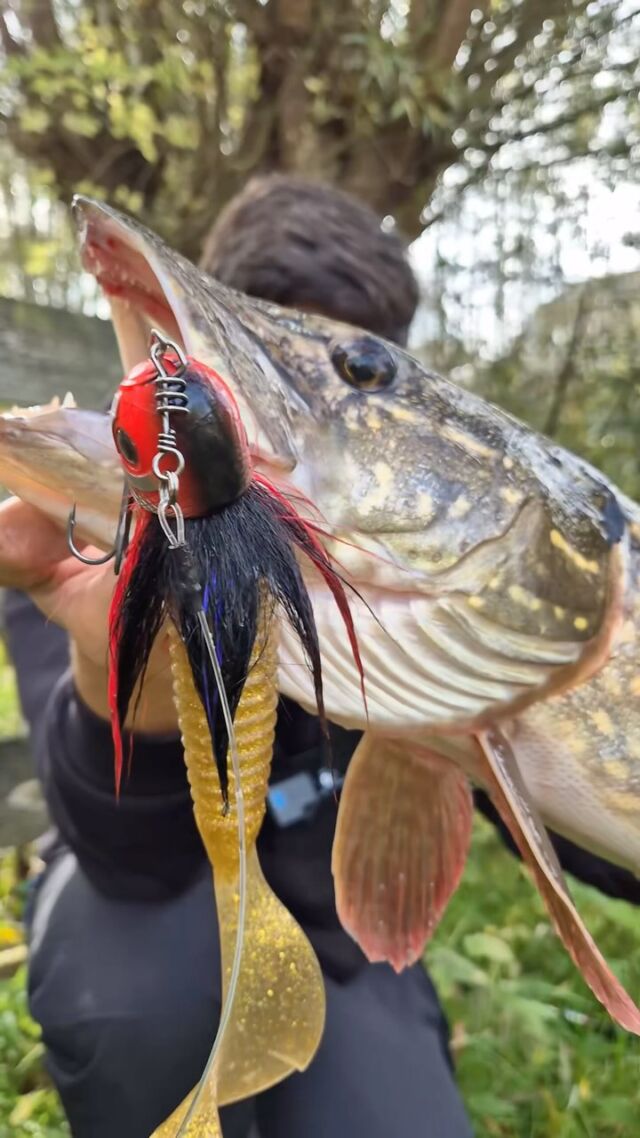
{"x":210,"y":542}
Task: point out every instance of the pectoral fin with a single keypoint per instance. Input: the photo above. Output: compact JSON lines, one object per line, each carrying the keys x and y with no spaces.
{"x":501,"y":775}
{"x":401,"y":842}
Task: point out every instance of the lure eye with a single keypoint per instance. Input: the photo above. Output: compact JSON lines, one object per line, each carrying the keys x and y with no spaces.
{"x":364,"y":363}
{"x":127,"y":447}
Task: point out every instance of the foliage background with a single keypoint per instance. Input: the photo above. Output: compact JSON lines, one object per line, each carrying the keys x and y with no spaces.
{"x":500,"y":131}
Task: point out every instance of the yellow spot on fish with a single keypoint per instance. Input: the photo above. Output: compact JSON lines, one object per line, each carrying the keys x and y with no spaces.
{"x":384,"y":474}
{"x":404,"y":415}
{"x":633,"y":749}
{"x":602,"y":721}
{"x":524,"y":597}
{"x":510,"y":495}
{"x":573,"y":555}
{"x":634,"y":686}
{"x":379,"y":495}
{"x":494,"y":583}
{"x":374,"y":420}
{"x":467,"y":442}
{"x":627,"y":632}
{"x":559,"y":612}
{"x":507,"y":463}
{"x":626,"y":802}
{"x":611,"y":683}
{"x":424,"y":505}
{"x":615,"y":768}
{"x":578,"y":746}
{"x":460,"y":507}
{"x":581,"y":623}
{"x":634,"y":529}
{"x":475,"y":602}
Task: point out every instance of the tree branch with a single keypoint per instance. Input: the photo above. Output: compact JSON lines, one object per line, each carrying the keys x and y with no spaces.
{"x":566,"y":372}
{"x":11,"y":46}
{"x":566,"y":119}
{"x":451,"y":32}
{"x":43,"y":23}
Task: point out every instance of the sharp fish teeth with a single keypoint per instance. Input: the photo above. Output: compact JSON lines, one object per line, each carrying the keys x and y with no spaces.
{"x":55,"y":404}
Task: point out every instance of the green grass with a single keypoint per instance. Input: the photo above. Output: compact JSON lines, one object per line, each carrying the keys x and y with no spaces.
{"x":29,"y":1107}
{"x":10,"y":718}
{"x":536,"y":1056}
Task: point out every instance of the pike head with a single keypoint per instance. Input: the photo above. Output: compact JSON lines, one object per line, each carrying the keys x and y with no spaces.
{"x":489,"y":563}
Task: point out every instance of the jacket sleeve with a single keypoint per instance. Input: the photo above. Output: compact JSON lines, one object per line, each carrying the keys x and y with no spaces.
{"x":39,"y":651}
{"x":145,"y":844}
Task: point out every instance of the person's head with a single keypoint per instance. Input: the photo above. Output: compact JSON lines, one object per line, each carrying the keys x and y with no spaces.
{"x":305,"y":245}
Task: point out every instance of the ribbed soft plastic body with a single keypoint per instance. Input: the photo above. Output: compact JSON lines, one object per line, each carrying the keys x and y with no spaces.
{"x":278,"y":1010}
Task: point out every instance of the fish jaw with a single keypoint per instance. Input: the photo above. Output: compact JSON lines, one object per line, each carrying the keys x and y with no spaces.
{"x":55,"y":457}
{"x":149,"y":286}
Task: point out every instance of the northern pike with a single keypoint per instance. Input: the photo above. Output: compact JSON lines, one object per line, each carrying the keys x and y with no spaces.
{"x":495,"y":590}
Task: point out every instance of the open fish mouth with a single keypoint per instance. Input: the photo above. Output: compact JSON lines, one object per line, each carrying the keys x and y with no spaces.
{"x":135,"y":292}
{"x":146,"y":290}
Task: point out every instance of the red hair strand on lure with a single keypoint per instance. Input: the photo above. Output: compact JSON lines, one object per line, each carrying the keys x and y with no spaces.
{"x":118,"y":699}
{"x":305,"y":538}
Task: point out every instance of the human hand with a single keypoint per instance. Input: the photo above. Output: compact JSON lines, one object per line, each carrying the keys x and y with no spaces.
{"x":34,"y":557}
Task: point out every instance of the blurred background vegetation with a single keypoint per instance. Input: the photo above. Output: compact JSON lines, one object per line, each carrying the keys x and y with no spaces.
{"x":505,"y":137}
{"x":504,"y":140}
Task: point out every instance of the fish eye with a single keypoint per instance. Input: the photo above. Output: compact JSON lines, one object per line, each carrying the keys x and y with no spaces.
{"x":127,"y":447}
{"x":364,"y":363}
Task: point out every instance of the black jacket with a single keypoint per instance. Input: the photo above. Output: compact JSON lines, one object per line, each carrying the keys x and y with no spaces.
{"x":146,"y":845}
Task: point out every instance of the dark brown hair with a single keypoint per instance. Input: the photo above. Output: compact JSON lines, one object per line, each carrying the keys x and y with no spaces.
{"x":307,"y":245}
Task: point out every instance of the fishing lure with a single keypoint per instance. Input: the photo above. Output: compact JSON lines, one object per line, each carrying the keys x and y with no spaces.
{"x":214,"y":555}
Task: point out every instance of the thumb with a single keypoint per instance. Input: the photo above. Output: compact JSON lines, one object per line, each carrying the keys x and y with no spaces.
{"x":31,"y":546}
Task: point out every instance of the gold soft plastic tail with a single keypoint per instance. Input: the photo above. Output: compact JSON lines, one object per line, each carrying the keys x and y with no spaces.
{"x":277,"y":1016}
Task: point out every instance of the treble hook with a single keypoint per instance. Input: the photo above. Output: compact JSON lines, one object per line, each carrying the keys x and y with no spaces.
{"x":122,"y":536}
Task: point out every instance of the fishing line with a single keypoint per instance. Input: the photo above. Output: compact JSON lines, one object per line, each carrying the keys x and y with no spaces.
{"x":227,"y":1006}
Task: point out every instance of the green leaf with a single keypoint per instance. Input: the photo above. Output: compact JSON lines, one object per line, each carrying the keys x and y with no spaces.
{"x":488,"y":1105}
{"x":25,"y":1107}
{"x":454,"y":967}
{"x":487,"y":946}
{"x":39,"y":257}
{"x":181,"y":131}
{"x":34,"y":120}
{"x":143,"y":125}
{"x":33,"y":1058}
{"x":80,"y":122}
